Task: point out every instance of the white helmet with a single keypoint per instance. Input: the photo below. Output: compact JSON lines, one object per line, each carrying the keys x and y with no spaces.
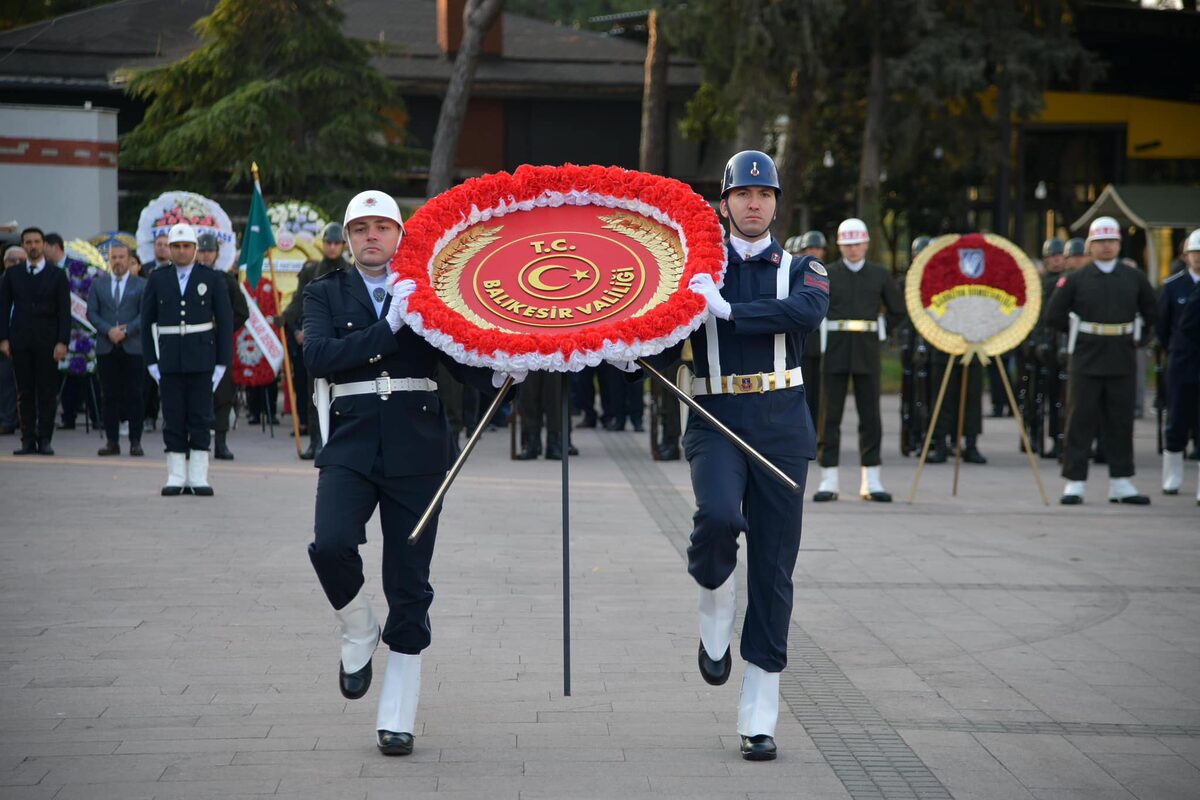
{"x":372,"y":203}
{"x":1193,"y":242}
{"x":181,"y":232}
{"x":1104,"y":228}
{"x":853,"y":231}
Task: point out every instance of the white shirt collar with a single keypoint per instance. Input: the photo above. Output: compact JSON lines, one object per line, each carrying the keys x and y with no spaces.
{"x":855,"y":266}
{"x":748,"y":250}
{"x":37,"y":265}
{"x":1106,"y":266}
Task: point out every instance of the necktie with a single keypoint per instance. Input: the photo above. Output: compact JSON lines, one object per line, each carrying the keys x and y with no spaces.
{"x":117,"y":291}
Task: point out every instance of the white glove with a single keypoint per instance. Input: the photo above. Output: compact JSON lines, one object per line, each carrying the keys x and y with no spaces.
{"x":703,"y":285}
{"x":625,"y":366}
{"x":498,"y":377}
{"x":400,"y":290}
{"x":218,"y":373}
{"x":154,"y":373}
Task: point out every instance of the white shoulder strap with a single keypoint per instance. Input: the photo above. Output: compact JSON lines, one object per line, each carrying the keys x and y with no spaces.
{"x":783,"y":287}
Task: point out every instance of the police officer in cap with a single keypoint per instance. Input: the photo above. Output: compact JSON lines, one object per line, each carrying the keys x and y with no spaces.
{"x":747,"y":363}
{"x":1183,"y":365}
{"x":387,"y":446}
{"x":851,"y":336}
{"x":187,"y":339}
{"x":810,"y":243}
{"x":333,"y":244}
{"x":207,"y":250}
{"x":1099,"y":305}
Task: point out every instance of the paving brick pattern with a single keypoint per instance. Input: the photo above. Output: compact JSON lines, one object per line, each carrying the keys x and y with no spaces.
{"x":976,"y":647}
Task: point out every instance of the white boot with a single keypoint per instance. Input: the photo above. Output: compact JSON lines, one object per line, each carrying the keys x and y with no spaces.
{"x":871,"y":487}
{"x":828,"y":490}
{"x":197,"y":473}
{"x":176,"y":472}
{"x":1073,"y":493}
{"x":1122,"y":490}
{"x":401,"y":692}
{"x":360,"y":632}
{"x":758,"y":708}
{"x":1172,"y":472}
{"x":718,"y":607}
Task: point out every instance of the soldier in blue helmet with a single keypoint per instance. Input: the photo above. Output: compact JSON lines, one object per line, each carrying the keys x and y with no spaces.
{"x":747,"y":364}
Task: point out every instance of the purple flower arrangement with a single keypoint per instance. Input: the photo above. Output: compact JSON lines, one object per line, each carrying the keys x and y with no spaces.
{"x":81,"y":350}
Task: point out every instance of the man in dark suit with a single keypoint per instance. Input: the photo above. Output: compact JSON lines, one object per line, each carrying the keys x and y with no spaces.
{"x":114,"y":308}
{"x":187,"y":341}
{"x":35,"y":326}
{"x":388,"y":446}
{"x":14,"y":256}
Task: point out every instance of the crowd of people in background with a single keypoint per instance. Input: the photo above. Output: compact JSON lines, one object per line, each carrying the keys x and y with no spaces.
{"x":36,"y":397}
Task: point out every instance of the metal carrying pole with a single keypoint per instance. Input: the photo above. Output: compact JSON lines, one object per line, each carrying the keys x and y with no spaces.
{"x":566,"y":531}
{"x":455,"y":468}
{"x":741,"y":443}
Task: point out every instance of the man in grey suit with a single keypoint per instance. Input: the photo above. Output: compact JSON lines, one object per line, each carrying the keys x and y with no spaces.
{"x":114,"y":307}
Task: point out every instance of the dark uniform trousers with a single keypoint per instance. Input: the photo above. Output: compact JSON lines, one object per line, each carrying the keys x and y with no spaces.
{"x":733,"y":494}
{"x":186,"y":361}
{"x":947,"y":421}
{"x":121,"y":377}
{"x":539,"y":399}
{"x":810,"y":365}
{"x":1183,"y":363}
{"x":35,"y":314}
{"x":851,"y":355}
{"x":390,"y":454}
{"x":1101,"y":382}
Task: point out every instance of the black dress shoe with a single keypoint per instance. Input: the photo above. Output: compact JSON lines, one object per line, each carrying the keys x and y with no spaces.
{"x":572,"y":450}
{"x":825,"y":497}
{"x":877,"y":497}
{"x":221,"y":452}
{"x":394,"y":744}
{"x":613,"y":425}
{"x":639,"y":427}
{"x":310,"y":453}
{"x":44,"y":449}
{"x":26,"y":449}
{"x":110,"y":449}
{"x":529,"y":453}
{"x":668,"y":452}
{"x":758,"y":748}
{"x":135,"y":449}
{"x":66,"y":426}
{"x":1131,"y":500}
{"x":1071,"y":500}
{"x":355,"y":684}
{"x":715,"y":673}
{"x":253,"y":419}
{"x":937,"y":454}
{"x":553,"y":451}
{"x":971,"y":455}
{"x":172,"y":491}
{"x":588,"y":422}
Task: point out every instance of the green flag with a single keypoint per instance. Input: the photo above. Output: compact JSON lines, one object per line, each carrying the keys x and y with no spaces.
{"x":258,"y":239}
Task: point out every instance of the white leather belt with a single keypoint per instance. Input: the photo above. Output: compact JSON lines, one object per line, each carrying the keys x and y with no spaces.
{"x":382,"y":386}
{"x":184,"y":330}
{"x":853,"y":325}
{"x":1106,"y":328}
{"x":756,"y":383}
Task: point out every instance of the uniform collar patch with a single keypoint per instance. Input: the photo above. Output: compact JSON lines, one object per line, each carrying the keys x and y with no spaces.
{"x":776,"y":258}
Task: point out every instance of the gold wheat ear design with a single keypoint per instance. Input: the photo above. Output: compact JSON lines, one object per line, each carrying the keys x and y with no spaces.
{"x":662,"y":243}
{"x":455,"y":256}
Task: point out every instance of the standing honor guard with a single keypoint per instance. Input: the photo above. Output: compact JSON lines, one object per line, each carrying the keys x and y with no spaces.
{"x":1100,"y":304}
{"x":747,"y":357}
{"x":387,"y":445}
{"x":1183,"y":365}
{"x":851,"y":337}
{"x":187,"y":341}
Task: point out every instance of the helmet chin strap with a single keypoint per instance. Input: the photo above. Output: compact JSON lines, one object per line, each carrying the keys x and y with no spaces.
{"x":744,"y":235}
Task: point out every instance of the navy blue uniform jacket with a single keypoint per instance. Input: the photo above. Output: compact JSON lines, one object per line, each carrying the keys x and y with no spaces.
{"x":344,"y":342}
{"x":206,"y":300}
{"x":1183,"y":354}
{"x":778,"y":421}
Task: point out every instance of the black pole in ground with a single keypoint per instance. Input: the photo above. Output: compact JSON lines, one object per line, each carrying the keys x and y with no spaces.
{"x":565,"y":444}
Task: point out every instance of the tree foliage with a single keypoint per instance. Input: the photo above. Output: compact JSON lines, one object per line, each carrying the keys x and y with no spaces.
{"x":276,"y":82}
{"x":794,"y":76}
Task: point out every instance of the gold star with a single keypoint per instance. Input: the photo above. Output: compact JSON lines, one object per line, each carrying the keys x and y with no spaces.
{"x":580,"y":275}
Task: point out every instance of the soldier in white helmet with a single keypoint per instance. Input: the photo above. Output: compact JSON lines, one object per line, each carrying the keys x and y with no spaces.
{"x":861,"y":292}
{"x":1183,"y":365}
{"x":187,"y":340}
{"x":387,"y":446}
{"x":1099,"y":305}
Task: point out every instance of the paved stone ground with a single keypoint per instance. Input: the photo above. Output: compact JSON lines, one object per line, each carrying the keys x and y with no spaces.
{"x":975,"y":647}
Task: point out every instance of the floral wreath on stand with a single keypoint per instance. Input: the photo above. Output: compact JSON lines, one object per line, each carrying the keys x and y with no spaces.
{"x":84,"y":265}
{"x":636,"y":196}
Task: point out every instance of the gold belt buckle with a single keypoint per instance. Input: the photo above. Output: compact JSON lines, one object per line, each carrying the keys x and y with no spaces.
{"x":747,"y":384}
